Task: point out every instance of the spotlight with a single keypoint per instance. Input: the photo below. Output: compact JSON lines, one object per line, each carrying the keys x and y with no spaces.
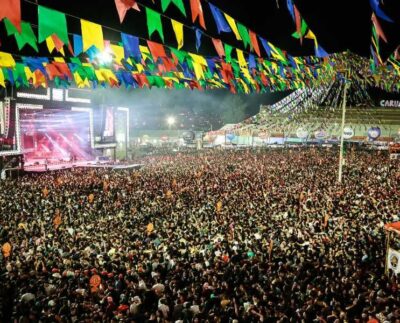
{"x":170,"y":121}
{"x":104,"y":57}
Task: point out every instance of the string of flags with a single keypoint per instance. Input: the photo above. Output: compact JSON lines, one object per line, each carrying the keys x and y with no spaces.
{"x":92,"y":61}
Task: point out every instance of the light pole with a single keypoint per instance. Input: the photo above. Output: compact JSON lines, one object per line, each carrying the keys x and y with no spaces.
{"x":346,"y":84}
{"x":170,"y":121}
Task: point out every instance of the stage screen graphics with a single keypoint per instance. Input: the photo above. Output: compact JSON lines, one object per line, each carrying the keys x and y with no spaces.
{"x":55,"y":135}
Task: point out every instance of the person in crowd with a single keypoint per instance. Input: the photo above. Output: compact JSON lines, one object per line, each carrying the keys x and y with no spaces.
{"x":216,"y":236}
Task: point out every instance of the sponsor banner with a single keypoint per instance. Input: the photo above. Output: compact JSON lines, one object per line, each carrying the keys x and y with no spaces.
{"x":389,"y":103}
{"x":320,"y":134}
{"x":302,"y":133}
{"x":348,"y":133}
{"x":374,"y":133}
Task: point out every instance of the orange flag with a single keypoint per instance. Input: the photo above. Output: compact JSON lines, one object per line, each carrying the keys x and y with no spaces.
{"x":254,"y":42}
{"x":219,"y":47}
{"x":11,"y":9}
{"x":197,"y":11}
{"x":123,"y":6}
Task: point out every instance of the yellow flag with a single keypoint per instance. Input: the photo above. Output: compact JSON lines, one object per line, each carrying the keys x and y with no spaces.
{"x":198,"y":71}
{"x":118,"y":52}
{"x":233,"y":26}
{"x":92,"y":35}
{"x":241,"y":59}
{"x":6,"y":60}
{"x":59,"y":59}
{"x":198,"y":59}
{"x":145,"y":52}
{"x":178,"y":30}
{"x":2,"y":78}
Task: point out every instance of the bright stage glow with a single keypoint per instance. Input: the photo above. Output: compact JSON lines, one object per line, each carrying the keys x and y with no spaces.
{"x":105,"y":57}
{"x":171,"y":120}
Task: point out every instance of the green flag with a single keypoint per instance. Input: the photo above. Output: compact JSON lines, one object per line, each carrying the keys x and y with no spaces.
{"x":25,"y":37}
{"x":244,"y":34}
{"x":228,"y":53}
{"x":180,"y":55}
{"x":303,"y":30}
{"x":154,"y":23}
{"x":178,"y":3}
{"x":52,"y":22}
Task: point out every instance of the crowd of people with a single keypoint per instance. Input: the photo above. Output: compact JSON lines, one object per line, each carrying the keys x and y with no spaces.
{"x":217,"y":236}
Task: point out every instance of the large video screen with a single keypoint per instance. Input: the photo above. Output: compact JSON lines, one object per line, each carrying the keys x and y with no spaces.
{"x":55,"y":134}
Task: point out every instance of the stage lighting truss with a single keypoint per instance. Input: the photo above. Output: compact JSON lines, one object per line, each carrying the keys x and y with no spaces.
{"x":19,"y":107}
{"x":26,"y":95}
{"x":75,"y":100}
{"x":90,"y":111}
{"x":57,"y":95}
{"x":126,"y":110}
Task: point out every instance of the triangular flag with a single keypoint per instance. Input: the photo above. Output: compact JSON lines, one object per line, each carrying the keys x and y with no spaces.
{"x":25,"y":37}
{"x":244,"y":34}
{"x":220,"y":21}
{"x":131,"y":46}
{"x":378,"y":28}
{"x":232,"y":24}
{"x":52,"y":22}
{"x":219,"y":47}
{"x":298,"y":23}
{"x":6,"y":60}
{"x":241,"y":59}
{"x":375,"y":7}
{"x":178,"y":30}
{"x":266,"y":46}
{"x":11,"y":9}
{"x":199,"y":33}
{"x":123,"y":6}
{"x":92,"y":35}
{"x":254,"y":42}
{"x":154,"y":23}
{"x":178,"y":3}
{"x":197,"y":11}
{"x":228,"y":52}
{"x":157,"y":50}
{"x":78,"y":45}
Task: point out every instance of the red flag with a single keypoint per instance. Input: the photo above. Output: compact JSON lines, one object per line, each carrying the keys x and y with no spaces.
{"x":298,"y":23}
{"x":219,"y":47}
{"x":197,"y":11}
{"x":254,"y":42}
{"x":157,"y":50}
{"x":123,"y":6}
{"x":11,"y":9}
{"x":378,"y":28}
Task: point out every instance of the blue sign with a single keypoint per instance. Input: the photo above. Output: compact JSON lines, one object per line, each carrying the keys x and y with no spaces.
{"x":374,"y":133}
{"x":230,"y":136}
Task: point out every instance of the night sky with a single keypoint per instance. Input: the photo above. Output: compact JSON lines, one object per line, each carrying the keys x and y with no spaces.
{"x":339,"y":25}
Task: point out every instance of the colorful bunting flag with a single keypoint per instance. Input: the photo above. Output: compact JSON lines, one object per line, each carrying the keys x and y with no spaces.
{"x":232,"y":24}
{"x":25,"y":37}
{"x":154,"y":23}
{"x":197,"y":12}
{"x":198,"y":33}
{"x":52,"y":22}
{"x":178,"y":3}
{"x":11,"y":9}
{"x":244,"y":34}
{"x":178,"y":30}
{"x":219,"y":47}
{"x":254,"y":43}
{"x":123,"y":6}
{"x":157,"y":50}
{"x":92,"y":35}
{"x":220,"y":21}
